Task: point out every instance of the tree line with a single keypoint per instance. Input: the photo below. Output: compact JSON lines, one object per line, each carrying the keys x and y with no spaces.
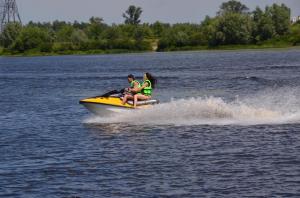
{"x":233,"y":24}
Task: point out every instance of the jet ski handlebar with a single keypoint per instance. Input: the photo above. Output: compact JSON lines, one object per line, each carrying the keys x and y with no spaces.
{"x":111,"y":93}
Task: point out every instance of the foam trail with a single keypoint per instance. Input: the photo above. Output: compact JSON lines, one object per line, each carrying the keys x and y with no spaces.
{"x":263,"y":108}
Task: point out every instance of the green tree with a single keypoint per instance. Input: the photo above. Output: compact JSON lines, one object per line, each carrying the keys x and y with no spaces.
{"x":132,"y":15}
{"x":64,"y":33}
{"x":158,"y":29}
{"x":113,"y":33}
{"x":295,"y":34}
{"x":281,"y":18}
{"x":78,"y":25}
{"x":95,"y":28}
{"x":263,"y":28}
{"x":175,"y":37}
{"x":181,"y":39}
{"x":210,"y":32}
{"x":233,"y":24}
{"x":142,"y":32}
{"x":32,"y":38}
{"x":127,"y":30}
{"x":57,"y":25}
{"x":9,"y":34}
{"x":236,"y":28}
{"x":79,"y":39}
{"x":233,"y":6}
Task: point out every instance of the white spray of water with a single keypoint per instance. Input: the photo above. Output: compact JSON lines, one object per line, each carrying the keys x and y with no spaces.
{"x":268,"y":107}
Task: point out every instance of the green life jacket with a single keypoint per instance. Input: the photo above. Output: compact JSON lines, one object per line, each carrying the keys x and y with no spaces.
{"x":147,"y":91}
{"x":134,"y":81}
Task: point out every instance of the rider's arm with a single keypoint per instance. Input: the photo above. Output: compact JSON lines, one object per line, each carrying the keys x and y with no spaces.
{"x":138,"y":89}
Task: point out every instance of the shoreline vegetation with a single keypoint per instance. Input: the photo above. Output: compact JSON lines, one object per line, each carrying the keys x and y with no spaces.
{"x":122,"y":51}
{"x":233,"y":28}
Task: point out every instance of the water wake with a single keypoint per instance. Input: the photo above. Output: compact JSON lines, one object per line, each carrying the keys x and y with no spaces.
{"x":268,"y":107}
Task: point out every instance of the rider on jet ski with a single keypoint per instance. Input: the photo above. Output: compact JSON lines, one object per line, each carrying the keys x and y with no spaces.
{"x":142,"y":92}
{"x":129,"y":92}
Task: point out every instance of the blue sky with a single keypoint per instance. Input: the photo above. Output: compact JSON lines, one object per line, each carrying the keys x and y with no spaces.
{"x":171,"y":11}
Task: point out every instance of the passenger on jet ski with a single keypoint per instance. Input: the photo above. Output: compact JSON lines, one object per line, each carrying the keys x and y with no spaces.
{"x":145,"y":91}
{"x":129,"y":92}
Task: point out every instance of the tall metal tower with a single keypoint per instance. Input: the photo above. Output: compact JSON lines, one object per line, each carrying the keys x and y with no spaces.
{"x":8,"y":13}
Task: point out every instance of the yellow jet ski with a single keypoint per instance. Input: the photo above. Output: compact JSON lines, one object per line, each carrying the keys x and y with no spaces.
{"x":111,"y":102}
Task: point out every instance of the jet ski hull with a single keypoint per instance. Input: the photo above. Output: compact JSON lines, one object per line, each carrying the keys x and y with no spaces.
{"x":103,"y":109}
{"x":106,"y":106}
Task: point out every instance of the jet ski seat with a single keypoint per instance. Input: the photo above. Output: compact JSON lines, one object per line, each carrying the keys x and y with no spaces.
{"x":139,"y":103}
{"x":145,"y":102}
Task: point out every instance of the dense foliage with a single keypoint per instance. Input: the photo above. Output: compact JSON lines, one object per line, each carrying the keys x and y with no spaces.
{"x":234,"y":24}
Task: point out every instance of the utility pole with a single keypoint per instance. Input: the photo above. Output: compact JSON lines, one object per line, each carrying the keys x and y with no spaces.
{"x":8,"y":13}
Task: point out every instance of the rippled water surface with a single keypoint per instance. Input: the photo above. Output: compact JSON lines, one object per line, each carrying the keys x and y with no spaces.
{"x":228,"y":126}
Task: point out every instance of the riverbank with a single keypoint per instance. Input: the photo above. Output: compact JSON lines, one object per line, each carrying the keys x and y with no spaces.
{"x":122,"y":51}
{"x":68,"y":52}
{"x":266,"y":45}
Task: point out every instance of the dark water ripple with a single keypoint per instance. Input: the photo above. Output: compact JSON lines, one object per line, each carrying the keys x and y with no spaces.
{"x":47,"y":150}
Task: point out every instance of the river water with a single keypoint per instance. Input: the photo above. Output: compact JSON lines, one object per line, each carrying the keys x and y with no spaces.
{"x":228,"y":126}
